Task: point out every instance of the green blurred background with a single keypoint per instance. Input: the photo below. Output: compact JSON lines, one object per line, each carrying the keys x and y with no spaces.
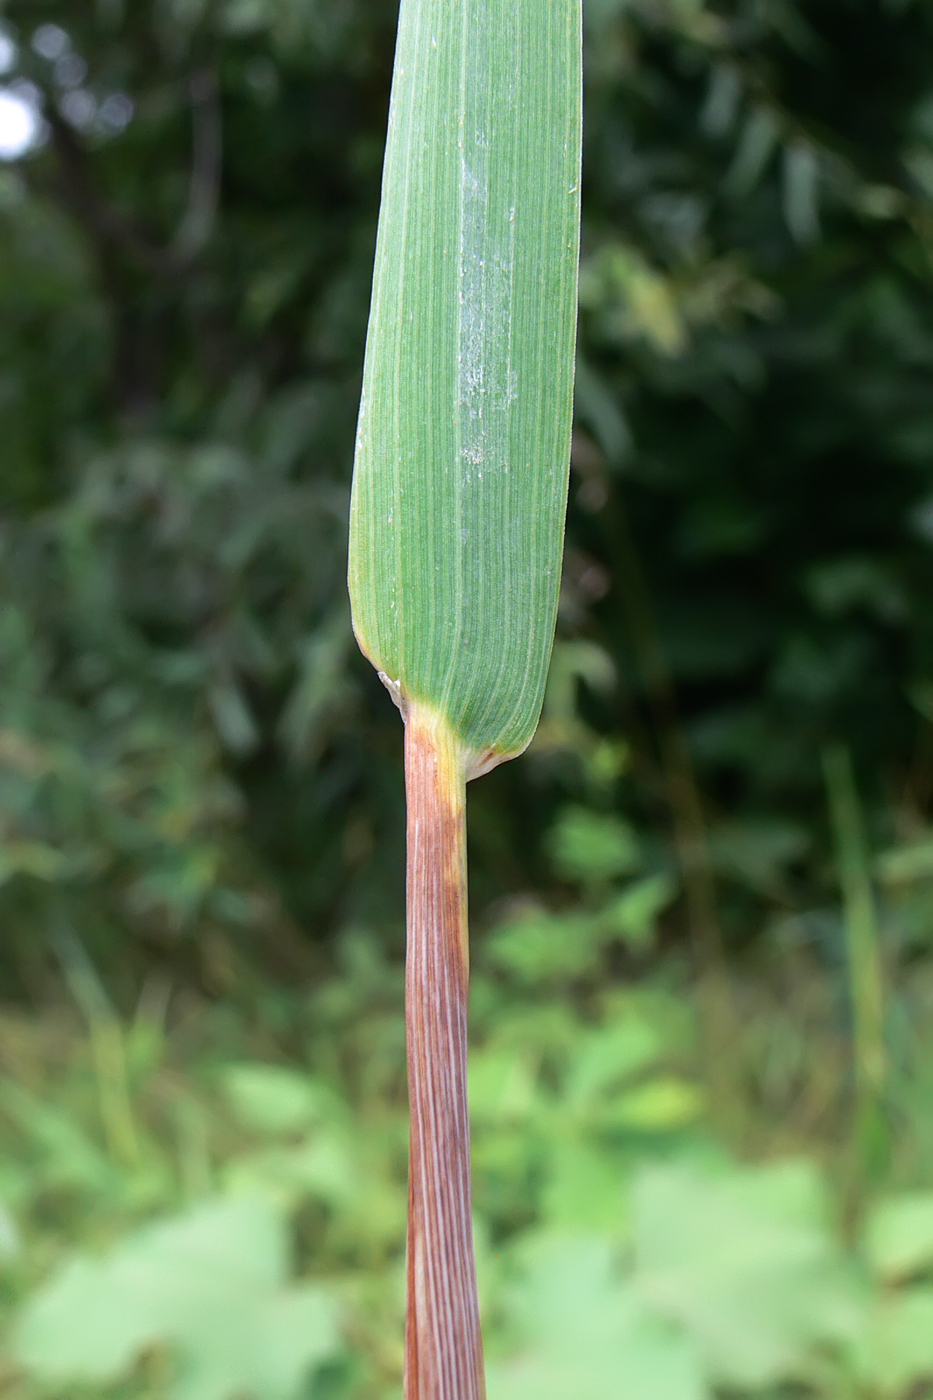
{"x":702,"y":903}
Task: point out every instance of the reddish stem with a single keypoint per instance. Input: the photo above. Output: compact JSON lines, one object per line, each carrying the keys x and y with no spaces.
{"x":443,"y":1347}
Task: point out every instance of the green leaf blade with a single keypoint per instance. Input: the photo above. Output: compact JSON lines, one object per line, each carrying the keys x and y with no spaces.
{"x":460,"y":479}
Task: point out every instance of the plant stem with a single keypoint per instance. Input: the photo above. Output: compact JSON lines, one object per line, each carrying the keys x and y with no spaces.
{"x":443,"y":1348}
{"x":863,"y":941}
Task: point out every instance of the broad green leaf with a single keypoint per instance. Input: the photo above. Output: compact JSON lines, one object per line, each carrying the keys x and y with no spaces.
{"x":583,"y":1187}
{"x":584,"y":1333}
{"x":659,"y":1106}
{"x":273,"y":1099}
{"x":460,"y":480}
{"x":633,"y":913}
{"x":539,"y":946}
{"x":209,"y":1285}
{"x":744,"y":1259}
{"x":588,"y":847}
{"x":503,"y":1086}
{"x":898,"y":1235}
{"x":895,"y":1351}
{"x":610,"y":1055}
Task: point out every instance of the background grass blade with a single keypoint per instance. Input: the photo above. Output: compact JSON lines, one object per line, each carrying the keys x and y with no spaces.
{"x":863,"y":948}
{"x":462,"y":453}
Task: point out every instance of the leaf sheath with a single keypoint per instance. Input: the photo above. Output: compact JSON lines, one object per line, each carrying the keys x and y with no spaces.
{"x":443,"y":1349}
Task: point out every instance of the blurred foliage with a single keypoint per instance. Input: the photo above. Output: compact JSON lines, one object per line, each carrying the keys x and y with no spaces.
{"x":200,"y":1204}
{"x":703,"y":902}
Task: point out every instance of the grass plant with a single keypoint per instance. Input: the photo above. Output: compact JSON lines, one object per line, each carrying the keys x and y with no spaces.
{"x":459,"y":495}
